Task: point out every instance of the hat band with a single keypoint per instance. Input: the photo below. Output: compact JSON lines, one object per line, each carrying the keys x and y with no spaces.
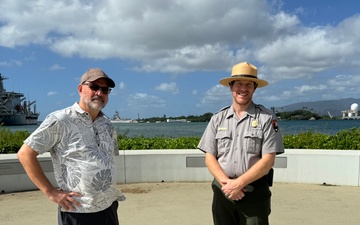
{"x":245,"y":75}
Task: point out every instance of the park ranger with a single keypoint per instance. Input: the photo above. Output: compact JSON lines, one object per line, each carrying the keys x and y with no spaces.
{"x":240,"y":144}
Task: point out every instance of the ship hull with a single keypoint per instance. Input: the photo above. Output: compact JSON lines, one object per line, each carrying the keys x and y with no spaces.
{"x":123,"y":121}
{"x":14,"y":109}
{"x":8,"y":120}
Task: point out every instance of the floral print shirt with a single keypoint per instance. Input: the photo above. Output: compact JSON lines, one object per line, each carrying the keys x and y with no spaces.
{"x":83,"y":154}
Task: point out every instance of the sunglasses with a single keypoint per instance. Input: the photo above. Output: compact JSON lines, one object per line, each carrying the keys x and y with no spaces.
{"x":95,"y":87}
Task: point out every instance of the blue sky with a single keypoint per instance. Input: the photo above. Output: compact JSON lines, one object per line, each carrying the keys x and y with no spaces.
{"x":167,"y":57}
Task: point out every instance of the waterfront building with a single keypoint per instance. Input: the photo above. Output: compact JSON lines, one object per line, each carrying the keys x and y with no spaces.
{"x":352,"y":113}
{"x":177,"y":121}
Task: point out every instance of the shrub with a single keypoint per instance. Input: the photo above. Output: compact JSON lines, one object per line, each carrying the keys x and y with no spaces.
{"x":10,"y":142}
{"x":142,"y":143}
{"x":343,"y":140}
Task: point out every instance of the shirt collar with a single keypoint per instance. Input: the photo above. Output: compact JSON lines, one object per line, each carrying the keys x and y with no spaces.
{"x":250,"y":111}
{"x":79,"y":110}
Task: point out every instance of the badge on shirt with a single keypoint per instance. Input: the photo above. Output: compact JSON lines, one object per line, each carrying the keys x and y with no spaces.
{"x":254,"y":123}
{"x":275,"y":125}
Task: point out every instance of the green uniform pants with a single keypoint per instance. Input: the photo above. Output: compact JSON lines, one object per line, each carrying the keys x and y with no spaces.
{"x":253,"y":209}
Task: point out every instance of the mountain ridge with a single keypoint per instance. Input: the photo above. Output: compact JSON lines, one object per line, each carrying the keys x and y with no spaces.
{"x":334,"y":107}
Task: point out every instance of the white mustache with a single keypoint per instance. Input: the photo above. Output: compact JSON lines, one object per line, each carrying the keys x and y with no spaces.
{"x":97,"y":98}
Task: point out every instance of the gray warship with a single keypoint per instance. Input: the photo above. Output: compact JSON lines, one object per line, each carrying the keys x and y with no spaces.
{"x":14,"y":109}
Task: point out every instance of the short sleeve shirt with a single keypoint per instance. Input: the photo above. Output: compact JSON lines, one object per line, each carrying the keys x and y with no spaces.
{"x":83,"y":154}
{"x":239,"y":143}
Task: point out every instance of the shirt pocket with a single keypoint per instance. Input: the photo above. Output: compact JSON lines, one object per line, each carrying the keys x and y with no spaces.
{"x":253,"y":140}
{"x":223,"y":140}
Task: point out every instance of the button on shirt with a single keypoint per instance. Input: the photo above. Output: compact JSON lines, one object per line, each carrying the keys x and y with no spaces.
{"x":239,"y":143}
{"x":83,"y":154}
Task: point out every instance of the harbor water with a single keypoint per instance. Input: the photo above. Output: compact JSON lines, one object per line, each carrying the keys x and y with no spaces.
{"x":196,"y":129}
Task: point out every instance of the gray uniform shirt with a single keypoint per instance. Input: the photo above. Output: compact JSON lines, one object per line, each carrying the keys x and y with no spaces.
{"x":239,"y":143}
{"x":83,"y":153}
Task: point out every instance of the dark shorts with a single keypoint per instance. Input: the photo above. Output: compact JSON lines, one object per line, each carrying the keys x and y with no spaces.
{"x":108,"y":216}
{"x":253,"y":209}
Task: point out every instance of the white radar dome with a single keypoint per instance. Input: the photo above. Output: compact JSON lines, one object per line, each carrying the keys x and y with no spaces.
{"x":354,"y":106}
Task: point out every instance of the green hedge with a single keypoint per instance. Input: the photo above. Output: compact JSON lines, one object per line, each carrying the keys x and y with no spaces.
{"x":10,"y":142}
{"x":141,"y":143}
{"x":345,"y":139}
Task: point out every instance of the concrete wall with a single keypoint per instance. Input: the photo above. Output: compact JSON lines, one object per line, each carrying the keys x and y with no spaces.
{"x":13,"y":177}
{"x":335,"y":167}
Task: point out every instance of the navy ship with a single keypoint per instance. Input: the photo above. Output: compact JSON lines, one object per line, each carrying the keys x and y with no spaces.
{"x":14,"y":109}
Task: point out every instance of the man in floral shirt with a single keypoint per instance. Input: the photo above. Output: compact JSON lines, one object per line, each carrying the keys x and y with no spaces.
{"x":82,"y":143}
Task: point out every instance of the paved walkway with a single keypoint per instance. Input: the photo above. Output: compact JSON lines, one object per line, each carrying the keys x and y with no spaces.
{"x":190,"y":204}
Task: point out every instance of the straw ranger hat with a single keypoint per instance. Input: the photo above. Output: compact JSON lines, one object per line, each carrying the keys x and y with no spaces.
{"x":244,"y":71}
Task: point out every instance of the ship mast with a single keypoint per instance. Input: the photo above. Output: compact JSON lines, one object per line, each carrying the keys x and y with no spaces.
{"x":2,"y":89}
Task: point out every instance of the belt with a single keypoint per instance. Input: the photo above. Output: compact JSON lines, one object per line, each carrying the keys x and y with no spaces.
{"x":262,"y":182}
{"x":250,"y":187}
{"x":259,"y":182}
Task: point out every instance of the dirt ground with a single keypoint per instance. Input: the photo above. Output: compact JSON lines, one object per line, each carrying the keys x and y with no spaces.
{"x":190,"y":204}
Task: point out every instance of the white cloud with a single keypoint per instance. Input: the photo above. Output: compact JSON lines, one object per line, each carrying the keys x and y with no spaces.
{"x":308,"y":88}
{"x":145,"y":101}
{"x":56,"y":67}
{"x":122,"y":85}
{"x":208,"y":39}
{"x":180,"y":36}
{"x":216,"y":96}
{"x":10,"y":63}
{"x":51,"y":93}
{"x":168,"y":87}
{"x":345,"y":83}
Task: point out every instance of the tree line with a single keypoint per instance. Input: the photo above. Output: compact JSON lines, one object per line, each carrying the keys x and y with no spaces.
{"x":301,"y":114}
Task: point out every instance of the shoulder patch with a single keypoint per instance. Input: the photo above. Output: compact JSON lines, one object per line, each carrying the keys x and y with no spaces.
{"x":275,"y":125}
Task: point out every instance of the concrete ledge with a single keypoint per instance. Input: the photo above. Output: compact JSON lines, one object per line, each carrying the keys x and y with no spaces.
{"x":163,"y":165}
{"x":337,"y":167}
{"x":13,"y":177}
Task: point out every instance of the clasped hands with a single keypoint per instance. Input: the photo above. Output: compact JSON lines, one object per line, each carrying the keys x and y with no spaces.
{"x":232,"y":189}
